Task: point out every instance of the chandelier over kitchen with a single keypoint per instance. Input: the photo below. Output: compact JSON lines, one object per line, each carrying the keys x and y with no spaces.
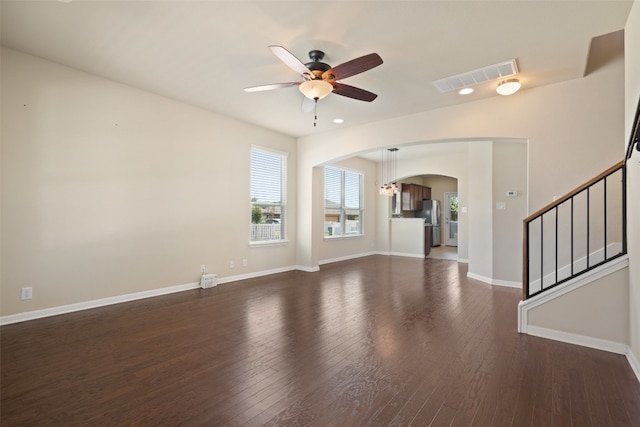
{"x":389,"y":188}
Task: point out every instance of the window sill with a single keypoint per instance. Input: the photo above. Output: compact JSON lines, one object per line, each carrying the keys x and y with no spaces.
{"x":270,"y":243}
{"x":348,"y":236}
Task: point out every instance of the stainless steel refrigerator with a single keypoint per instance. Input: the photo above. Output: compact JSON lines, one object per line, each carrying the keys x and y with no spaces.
{"x":431,"y":213}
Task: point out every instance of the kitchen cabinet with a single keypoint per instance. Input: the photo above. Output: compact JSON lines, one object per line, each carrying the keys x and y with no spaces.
{"x":412,"y":195}
{"x":427,"y":240}
{"x":426,"y":193}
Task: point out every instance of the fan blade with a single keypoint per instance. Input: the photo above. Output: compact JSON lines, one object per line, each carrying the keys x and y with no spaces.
{"x":308,"y":104}
{"x":289,"y":59}
{"x":353,"y":67}
{"x":271,"y":86}
{"x":354,"y":92}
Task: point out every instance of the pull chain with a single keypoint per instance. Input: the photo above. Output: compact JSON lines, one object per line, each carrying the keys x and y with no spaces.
{"x":315,"y":111}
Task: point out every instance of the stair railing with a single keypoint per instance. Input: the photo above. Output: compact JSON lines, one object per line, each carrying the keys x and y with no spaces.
{"x":576,"y":233}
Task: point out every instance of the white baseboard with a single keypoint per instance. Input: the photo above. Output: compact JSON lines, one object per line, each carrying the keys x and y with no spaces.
{"x":345,"y":258}
{"x":86,"y":305}
{"x":410,"y":255}
{"x":590,"y":342}
{"x":635,"y":364}
{"x":570,"y":338}
{"x":307,"y":269}
{"x":495,"y":282}
{"x":569,"y":286}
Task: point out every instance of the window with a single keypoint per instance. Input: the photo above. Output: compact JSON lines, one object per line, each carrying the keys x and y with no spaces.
{"x":268,"y":190}
{"x":342,"y":202}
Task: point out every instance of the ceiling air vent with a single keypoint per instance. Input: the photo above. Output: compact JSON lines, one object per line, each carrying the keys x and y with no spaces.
{"x":492,"y":72}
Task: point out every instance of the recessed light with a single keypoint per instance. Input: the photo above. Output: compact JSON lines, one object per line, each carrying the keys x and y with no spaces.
{"x":465,"y":91}
{"x":338,"y":121}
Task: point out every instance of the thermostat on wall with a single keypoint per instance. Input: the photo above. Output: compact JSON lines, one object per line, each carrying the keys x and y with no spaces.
{"x":512,"y":193}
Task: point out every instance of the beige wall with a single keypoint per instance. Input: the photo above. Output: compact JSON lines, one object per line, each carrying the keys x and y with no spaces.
{"x":557,"y":121}
{"x":509,"y":174}
{"x":596,"y":310}
{"x":108,"y":190}
{"x":632,"y":94}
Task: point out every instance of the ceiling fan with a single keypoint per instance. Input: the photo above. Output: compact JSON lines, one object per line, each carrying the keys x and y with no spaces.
{"x":320,"y":79}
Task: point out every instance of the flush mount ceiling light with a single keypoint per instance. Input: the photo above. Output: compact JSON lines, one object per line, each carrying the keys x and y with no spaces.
{"x":508,"y":87}
{"x":465,"y":91}
{"x":502,"y":70}
{"x":315,"y":89}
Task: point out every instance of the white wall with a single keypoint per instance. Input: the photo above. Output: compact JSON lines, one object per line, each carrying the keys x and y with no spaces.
{"x":108,"y":190}
{"x":632,"y":94}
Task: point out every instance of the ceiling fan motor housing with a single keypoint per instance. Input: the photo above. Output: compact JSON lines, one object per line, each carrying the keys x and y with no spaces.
{"x":316,"y":66}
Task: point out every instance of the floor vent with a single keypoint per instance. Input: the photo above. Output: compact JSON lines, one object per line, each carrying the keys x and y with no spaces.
{"x":470,"y":78}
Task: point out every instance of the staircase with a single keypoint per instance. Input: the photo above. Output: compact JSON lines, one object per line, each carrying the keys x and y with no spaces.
{"x":575,"y":234}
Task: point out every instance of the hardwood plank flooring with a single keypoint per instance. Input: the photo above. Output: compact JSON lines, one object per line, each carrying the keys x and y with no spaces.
{"x":376,"y":341}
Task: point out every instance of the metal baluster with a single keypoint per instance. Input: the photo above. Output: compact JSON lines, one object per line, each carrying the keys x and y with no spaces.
{"x":541,"y":252}
{"x":605,"y":218}
{"x":556,"y":281}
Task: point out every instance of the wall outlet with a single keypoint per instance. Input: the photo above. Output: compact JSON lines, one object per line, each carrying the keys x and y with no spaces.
{"x":245,"y":262}
{"x":26,"y":293}
{"x":203,"y":269}
{"x":232,"y":264}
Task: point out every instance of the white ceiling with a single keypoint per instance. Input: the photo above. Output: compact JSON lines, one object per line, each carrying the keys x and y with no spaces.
{"x":205,"y":52}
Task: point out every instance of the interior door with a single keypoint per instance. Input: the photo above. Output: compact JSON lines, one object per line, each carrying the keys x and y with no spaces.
{"x":451,"y":219}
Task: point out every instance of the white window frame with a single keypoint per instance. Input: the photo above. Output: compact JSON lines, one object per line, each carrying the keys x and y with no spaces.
{"x":342,"y":211}
{"x":280,"y":235}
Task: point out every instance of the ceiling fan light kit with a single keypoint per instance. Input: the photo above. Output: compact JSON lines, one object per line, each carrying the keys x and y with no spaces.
{"x":320,"y":79}
{"x":315,"y":89}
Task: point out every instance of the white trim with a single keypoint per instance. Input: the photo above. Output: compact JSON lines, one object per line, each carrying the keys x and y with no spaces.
{"x":239,"y":277}
{"x":86,"y":305}
{"x":463,"y":260}
{"x":590,"y":342}
{"x":494,"y":282}
{"x":567,"y":337}
{"x":507,"y":283}
{"x":479,"y":277}
{"x":345,"y":258}
{"x":569,"y":286}
{"x":635,"y":364}
{"x":410,"y":255}
{"x":307,"y":269}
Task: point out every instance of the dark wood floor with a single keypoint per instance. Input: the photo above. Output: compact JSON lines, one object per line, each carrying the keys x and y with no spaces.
{"x":375,"y":341}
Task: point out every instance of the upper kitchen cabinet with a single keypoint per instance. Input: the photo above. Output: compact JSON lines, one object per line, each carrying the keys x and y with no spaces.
{"x":412,"y":196}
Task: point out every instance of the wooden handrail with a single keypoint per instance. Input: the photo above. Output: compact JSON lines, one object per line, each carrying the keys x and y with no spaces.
{"x":574,"y":192}
{"x":620,"y":166}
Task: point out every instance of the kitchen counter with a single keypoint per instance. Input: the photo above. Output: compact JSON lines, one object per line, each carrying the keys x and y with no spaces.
{"x":408,"y":237}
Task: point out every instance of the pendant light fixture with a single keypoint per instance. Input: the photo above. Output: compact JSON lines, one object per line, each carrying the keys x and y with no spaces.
{"x":389,"y":188}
